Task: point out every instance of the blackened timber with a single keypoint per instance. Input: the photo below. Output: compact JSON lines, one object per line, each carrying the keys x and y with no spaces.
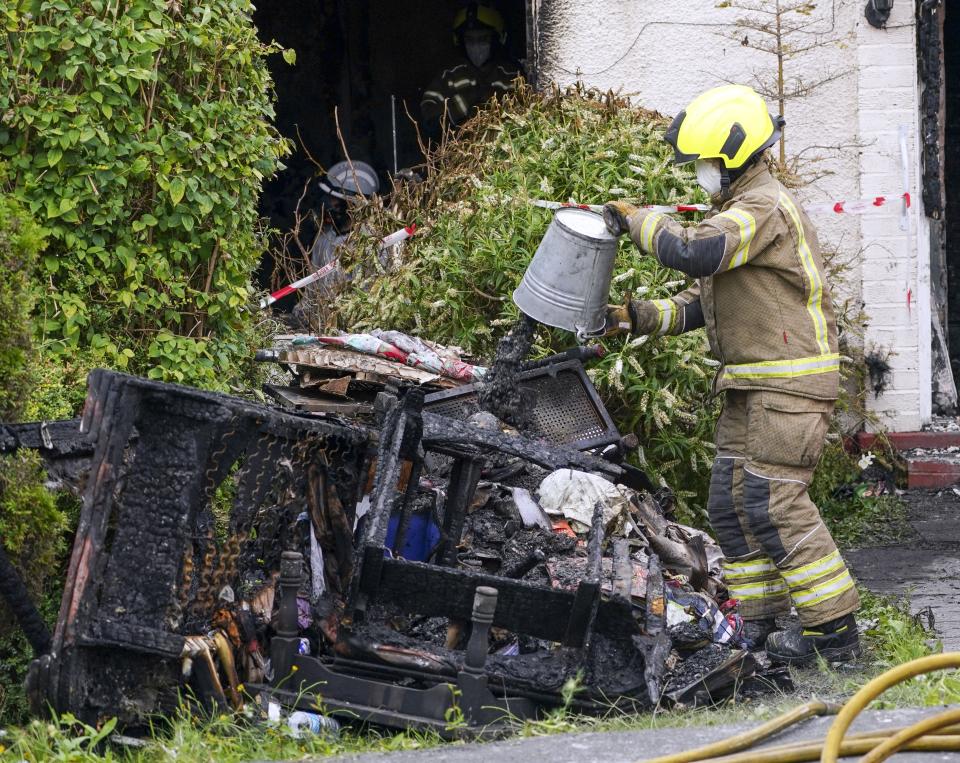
{"x":654,"y":643}
{"x":463,"y":485}
{"x":432,"y":591}
{"x":369,"y":554}
{"x":451,"y":436}
{"x":62,"y":438}
{"x":587,"y":598}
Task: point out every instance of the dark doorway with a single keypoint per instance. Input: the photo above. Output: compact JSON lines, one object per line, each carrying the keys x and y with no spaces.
{"x":951,"y":152}
{"x":352,"y":56}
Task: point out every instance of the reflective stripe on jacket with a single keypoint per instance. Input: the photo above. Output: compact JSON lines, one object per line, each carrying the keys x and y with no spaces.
{"x":761,"y":293}
{"x":462,"y":88}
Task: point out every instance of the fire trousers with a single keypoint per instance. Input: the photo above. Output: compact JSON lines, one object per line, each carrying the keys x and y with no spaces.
{"x":775,"y":544}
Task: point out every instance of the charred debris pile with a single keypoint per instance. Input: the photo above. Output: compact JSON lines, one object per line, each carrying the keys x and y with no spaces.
{"x":380,"y":546}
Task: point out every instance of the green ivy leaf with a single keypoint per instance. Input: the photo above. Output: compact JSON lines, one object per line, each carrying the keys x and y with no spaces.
{"x":290,"y":56}
{"x":176,"y":189}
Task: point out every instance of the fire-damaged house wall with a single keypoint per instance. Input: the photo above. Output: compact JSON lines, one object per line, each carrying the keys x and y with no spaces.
{"x":937,"y":27}
{"x":855,"y":125}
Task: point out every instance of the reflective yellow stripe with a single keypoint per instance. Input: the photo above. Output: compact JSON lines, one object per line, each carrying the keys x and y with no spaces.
{"x":815,"y":297}
{"x":748,"y":229}
{"x":667,"y":312}
{"x":647,"y":229}
{"x":752,"y":568}
{"x":461,"y":104}
{"x":432,"y":95}
{"x":769,"y":369}
{"x":830,"y":589}
{"x":766,"y":589}
{"x":830,"y":563}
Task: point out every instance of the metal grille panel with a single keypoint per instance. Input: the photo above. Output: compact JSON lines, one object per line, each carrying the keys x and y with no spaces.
{"x":566,"y":408}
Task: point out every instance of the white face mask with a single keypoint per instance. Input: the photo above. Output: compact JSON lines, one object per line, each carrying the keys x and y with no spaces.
{"x":478,"y":52}
{"x":708,"y":175}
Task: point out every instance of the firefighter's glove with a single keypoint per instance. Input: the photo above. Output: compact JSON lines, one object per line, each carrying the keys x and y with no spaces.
{"x":620,"y":319}
{"x":616,"y":215}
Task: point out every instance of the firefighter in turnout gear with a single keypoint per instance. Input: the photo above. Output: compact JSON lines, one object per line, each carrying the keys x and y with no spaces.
{"x":761,"y":293}
{"x":454,"y":94}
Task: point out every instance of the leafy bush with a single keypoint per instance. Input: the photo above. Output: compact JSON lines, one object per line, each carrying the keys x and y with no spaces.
{"x":478,"y":231}
{"x":20,"y":244}
{"x":31,"y":520}
{"x":138,"y":134}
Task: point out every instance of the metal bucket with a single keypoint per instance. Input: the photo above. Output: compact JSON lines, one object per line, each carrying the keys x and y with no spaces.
{"x":567,"y":282}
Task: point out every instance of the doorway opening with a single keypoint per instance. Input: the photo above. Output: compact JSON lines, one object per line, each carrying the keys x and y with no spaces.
{"x":361,"y":68}
{"x":951,"y":155}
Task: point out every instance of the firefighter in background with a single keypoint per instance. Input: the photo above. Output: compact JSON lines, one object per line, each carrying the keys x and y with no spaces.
{"x":761,"y":293}
{"x":453,"y":96}
{"x":343,"y":182}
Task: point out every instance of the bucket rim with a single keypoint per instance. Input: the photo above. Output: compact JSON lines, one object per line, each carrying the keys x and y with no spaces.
{"x":568,"y":211}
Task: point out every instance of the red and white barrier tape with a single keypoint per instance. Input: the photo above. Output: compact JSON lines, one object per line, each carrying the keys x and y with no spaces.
{"x":858,"y":206}
{"x":599,"y":207}
{"x":394,"y":238}
{"x":855,"y":207}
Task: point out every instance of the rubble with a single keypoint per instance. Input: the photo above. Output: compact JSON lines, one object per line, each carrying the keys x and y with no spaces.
{"x":390,"y":567}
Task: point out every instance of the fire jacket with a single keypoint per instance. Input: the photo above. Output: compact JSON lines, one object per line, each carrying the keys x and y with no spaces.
{"x":462,"y":88}
{"x":761,"y":291}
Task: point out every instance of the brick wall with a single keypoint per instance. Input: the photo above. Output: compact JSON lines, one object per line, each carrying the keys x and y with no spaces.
{"x":895,"y":284}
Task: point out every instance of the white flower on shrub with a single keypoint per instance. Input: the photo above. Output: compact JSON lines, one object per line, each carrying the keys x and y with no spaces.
{"x":866,"y":460}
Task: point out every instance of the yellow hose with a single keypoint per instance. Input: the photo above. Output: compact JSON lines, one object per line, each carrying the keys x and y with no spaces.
{"x":919,"y":729}
{"x":751,"y":737}
{"x":800,"y":753}
{"x":876,"y":687}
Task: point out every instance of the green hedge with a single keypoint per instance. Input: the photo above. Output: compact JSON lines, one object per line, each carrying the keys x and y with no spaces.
{"x":21,"y":242}
{"x":138,"y":133}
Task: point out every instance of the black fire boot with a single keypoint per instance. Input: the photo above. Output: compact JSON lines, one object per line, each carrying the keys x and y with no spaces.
{"x":834,"y":641}
{"x":755,"y":632}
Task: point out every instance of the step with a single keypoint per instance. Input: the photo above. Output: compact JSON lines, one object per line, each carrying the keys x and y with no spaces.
{"x":904,"y":441}
{"x":932,"y":456}
{"x":929,"y":468}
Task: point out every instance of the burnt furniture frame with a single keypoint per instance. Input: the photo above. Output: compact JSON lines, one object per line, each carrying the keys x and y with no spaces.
{"x":369,"y":691}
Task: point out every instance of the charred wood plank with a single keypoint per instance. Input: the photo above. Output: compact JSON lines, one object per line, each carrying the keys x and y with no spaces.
{"x":460,"y":438}
{"x":429,"y":590}
{"x":462,"y":487}
{"x":59,"y":438}
{"x":587,"y":598}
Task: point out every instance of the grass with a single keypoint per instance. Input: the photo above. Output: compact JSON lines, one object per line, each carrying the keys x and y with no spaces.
{"x":893,"y":637}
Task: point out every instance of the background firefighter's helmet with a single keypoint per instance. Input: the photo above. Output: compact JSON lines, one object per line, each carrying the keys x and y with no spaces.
{"x":477,"y":16}
{"x":346,"y":180}
{"x":730,"y":123}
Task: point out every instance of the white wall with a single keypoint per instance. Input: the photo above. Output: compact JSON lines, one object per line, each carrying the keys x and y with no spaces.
{"x":663,"y":54}
{"x":896,"y":264}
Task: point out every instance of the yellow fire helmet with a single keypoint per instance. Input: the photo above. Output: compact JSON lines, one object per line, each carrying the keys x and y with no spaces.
{"x":730,"y":123}
{"x":479,"y":13}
